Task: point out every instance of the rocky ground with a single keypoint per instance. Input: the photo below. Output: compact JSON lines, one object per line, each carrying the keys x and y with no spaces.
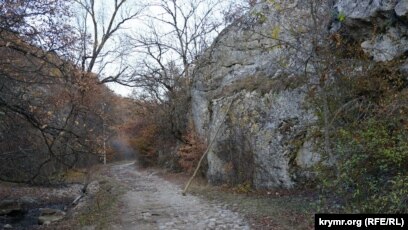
{"x":123,"y":196}
{"x":153,"y":200}
{"x":278,"y":209}
{"x":154,"y":203}
{"x":26,"y":207}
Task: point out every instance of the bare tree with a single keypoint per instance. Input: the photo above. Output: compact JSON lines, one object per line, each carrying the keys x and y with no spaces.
{"x":175,"y":34}
{"x":48,"y":108}
{"x":178,"y":33}
{"x":100,"y":24}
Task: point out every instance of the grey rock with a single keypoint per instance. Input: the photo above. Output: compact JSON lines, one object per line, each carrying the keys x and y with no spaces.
{"x":212,"y":225}
{"x":49,"y":215}
{"x":401,"y":9}
{"x":258,"y":74}
{"x":305,"y":157}
{"x":364,"y":9}
{"x":404,"y":69}
{"x":93,"y":187}
{"x":10,"y":206}
{"x":373,"y":22}
{"x":8,"y":226}
{"x":386,"y":47}
{"x":28,"y":201}
{"x":267,"y":137}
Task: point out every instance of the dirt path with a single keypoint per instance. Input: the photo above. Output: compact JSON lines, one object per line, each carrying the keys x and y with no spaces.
{"x":153,"y":203}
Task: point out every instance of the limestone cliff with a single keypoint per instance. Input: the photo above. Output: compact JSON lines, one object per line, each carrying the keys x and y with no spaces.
{"x":265,"y":65}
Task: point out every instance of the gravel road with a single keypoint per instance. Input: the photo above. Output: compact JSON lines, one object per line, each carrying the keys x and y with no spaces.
{"x":154,"y":203}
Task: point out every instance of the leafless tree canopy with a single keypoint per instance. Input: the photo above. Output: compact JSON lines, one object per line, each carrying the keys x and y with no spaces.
{"x":101,"y":45}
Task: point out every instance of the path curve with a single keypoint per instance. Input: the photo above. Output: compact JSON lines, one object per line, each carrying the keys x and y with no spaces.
{"x":154,"y":203}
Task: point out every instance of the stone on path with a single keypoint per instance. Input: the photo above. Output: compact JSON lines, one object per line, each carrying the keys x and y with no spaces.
{"x":49,"y":215}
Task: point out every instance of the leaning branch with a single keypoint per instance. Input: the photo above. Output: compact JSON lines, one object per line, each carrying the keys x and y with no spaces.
{"x":208,"y":148}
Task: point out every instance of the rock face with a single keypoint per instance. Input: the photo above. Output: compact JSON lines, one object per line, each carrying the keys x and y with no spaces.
{"x":266,"y":137}
{"x":380,"y":25}
{"x":265,"y":66}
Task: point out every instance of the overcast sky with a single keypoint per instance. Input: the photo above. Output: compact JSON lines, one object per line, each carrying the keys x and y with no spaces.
{"x":135,"y":27}
{"x":121,"y":90}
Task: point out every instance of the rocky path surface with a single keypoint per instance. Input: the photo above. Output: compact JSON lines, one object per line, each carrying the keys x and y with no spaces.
{"x":154,"y":203}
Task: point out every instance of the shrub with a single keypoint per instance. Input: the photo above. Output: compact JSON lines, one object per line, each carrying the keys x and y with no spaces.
{"x":371,"y":168}
{"x":369,"y":140}
{"x":163,"y":128}
{"x":191,"y":151}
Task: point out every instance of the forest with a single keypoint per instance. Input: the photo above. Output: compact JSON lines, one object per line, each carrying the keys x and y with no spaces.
{"x":307,"y":100}
{"x":58,"y":57}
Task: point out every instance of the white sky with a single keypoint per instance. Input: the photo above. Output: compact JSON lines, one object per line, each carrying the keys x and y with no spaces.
{"x":134,"y":26}
{"x":121,"y":90}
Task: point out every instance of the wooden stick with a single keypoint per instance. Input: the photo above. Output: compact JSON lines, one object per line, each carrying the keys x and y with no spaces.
{"x":208,"y":149}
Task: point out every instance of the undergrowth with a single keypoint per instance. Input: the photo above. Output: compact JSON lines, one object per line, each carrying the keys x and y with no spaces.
{"x":103,"y":209}
{"x":369,"y":137}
